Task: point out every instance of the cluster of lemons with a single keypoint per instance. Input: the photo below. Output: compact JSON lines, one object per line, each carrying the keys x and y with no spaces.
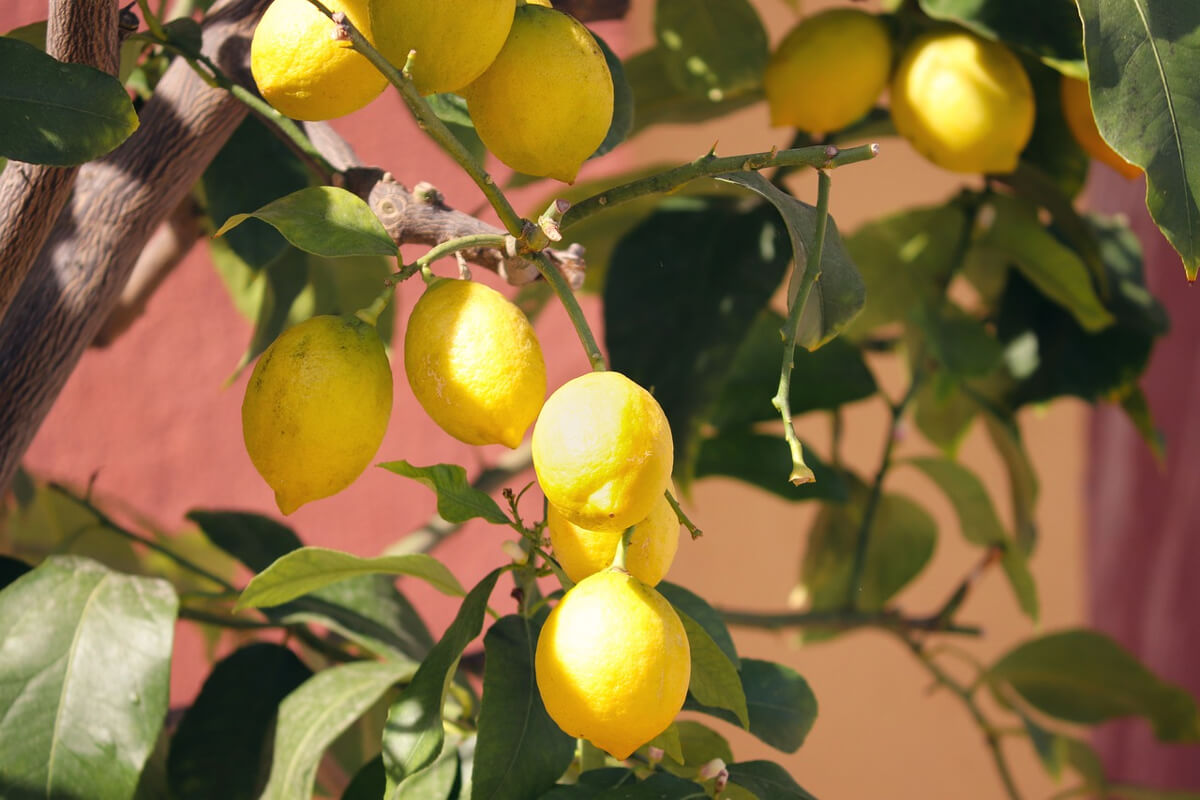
{"x":612,"y":661}
{"x":537,"y":85}
{"x":964,"y":102}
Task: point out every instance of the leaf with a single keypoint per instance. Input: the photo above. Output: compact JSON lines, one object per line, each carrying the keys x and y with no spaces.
{"x":838,"y":294}
{"x":315,"y":714}
{"x":85,"y":654}
{"x":1143,"y":59}
{"x":11,"y":569}
{"x":702,"y":614}
{"x":311,"y":568}
{"x":657,"y":100}
{"x":668,"y":741}
{"x":434,"y":782}
{"x":711,"y":48}
{"x":1084,"y":676}
{"x":944,"y":412}
{"x":765,"y":461}
{"x":976,"y":515}
{"x":714,"y":680}
{"x":222,"y":745}
{"x":767,"y":780}
{"x":699,"y":745}
{"x":781,"y":705}
{"x":253,"y":539}
{"x":622,"y":120}
{"x":1022,"y":481}
{"x":452,"y":110}
{"x":369,"y":783}
{"x":413,"y":735}
{"x":1047,"y":28}
{"x":1053,"y":149}
{"x":457,"y":501}
{"x":1020,"y":580}
{"x":54,"y":522}
{"x":960,"y":343}
{"x":520,"y":751}
{"x":325,"y":221}
{"x":58,"y":113}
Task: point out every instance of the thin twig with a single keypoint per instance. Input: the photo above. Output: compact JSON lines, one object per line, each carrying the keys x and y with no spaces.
{"x":682,"y":516}
{"x":843,"y":619}
{"x":559,"y":284}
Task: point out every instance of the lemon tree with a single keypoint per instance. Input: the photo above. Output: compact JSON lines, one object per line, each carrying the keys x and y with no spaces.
{"x":736,"y":316}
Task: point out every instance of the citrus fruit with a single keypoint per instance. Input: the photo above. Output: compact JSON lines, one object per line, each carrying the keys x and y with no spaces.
{"x":602,"y":451}
{"x":545,"y":103}
{"x":454,"y":40}
{"x":316,"y":408}
{"x":829,"y":70}
{"x":1077,"y":109}
{"x":963,"y":102}
{"x":302,"y":71}
{"x":582,"y":552}
{"x":613,"y":663}
{"x":474,"y":363}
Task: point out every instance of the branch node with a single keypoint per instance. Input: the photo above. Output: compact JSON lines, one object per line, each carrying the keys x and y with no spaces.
{"x":341,"y":26}
{"x":428,"y":194}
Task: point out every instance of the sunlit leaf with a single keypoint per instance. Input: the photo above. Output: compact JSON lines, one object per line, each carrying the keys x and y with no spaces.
{"x":711,"y":48}
{"x":457,"y":500}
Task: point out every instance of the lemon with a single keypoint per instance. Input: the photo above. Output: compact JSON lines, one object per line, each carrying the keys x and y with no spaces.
{"x":454,"y":40}
{"x":651,"y":550}
{"x":545,"y":103}
{"x":963,"y":102}
{"x":829,"y":70}
{"x":602,"y":451}
{"x":302,"y":71}
{"x":474,"y":363}
{"x":613,"y":663}
{"x":1077,"y":109}
{"x":316,"y":408}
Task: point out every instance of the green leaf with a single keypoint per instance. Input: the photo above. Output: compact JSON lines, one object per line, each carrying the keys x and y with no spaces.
{"x":369,"y":783}
{"x":1047,"y":28}
{"x":958,"y":341}
{"x":54,"y":522}
{"x":85,"y":654}
{"x":1137,"y":410}
{"x":452,"y":110}
{"x":714,"y":680}
{"x":764,"y":460}
{"x":325,"y":221}
{"x":437,"y":781}
{"x":253,"y":539}
{"x":972,"y":504}
{"x":457,"y":500}
{"x":767,"y":780}
{"x":520,"y":752}
{"x":315,"y":714}
{"x":622,"y":120}
{"x":1143,"y":60}
{"x":699,"y":745}
{"x":944,"y":412}
{"x":221,"y":747}
{"x":711,"y":48}
{"x":58,"y":113}
{"x":696,"y":607}
{"x":838,"y":294}
{"x":311,"y":568}
{"x":668,"y":741}
{"x":413,"y":735}
{"x":1016,"y":569}
{"x":1085,"y":677}
{"x":657,"y":100}
{"x":1022,"y":480}
{"x":781,"y":705}
{"x":682,"y":291}
{"x":1053,"y":149}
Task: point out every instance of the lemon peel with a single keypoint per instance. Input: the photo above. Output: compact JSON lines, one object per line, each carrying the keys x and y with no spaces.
{"x":1077,"y":110}
{"x":582,"y":552}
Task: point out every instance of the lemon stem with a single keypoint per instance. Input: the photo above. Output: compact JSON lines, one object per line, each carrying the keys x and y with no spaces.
{"x":559,"y":284}
{"x":618,"y":561}
{"x":370,"y":314}
{"x":682,"y":516}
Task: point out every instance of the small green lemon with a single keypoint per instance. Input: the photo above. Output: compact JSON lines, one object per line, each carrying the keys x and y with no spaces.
{"x":613,"y":662}
{"x":1077,"y":109}
{"x":602,"y":451}
{"x":965,"y":103}
{"x":474,"y":363}
{"x":316,"y":408}
{"x":546,"y":102}
{"x":302,"y":71}
{"x":651,"y":550}
{"x":829,"y":70}
{"x":454,"y":40}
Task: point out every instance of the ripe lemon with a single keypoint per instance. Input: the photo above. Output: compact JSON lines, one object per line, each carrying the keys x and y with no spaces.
{"x":474,"y":363}
{"x":545,"y":103}
{"x":963,"y":102}
{"x":829,"y":70}
{"x":316,"y":408}
{"x":302,"y":71}
{"x":613,"y":662}
{"x":455,"y":40}
{"x":602,"y":451}
{"x":1077,"y":109}
{"x":582,"y":552}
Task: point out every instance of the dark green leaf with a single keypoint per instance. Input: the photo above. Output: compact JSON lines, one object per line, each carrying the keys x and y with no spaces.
{"x":1022,"y":481}
{"x":325,"y":221}
{"x":57,"y":113}
{"x":1137,"y":409}
{"x":703,"y":614}
{"x":944,"y":412}
{"x":253,"y":539}
{"x":699,"y":744}
{"x":222,"y":746}
{"x":782,"y":707}
{"x":838,"y":294}
{"x":438,"y":781}
{"x":521,"y":752}
{"x":622,"y":120}
{"x":368,"y":783}
{"x":452,"y":110}
{"x":711,"y":48}
{"x":764,"y":460}
{"x":457,"y":500}
{"x":1144,"y":70}
{"x":11,"y":569}
{"x":413,"y":736}
{"x":714,"y":681}
{"x":1053,"y":149}
{"x":85,"y":654}
{"x":1020,"y":580}
{"x":767,"y":780}
{"x":315,"y":714}
{"x":972,"y":503}
{"x":656,"y":99}
{"x":1084,"y":676}
{"x":659,"y":786}
{"x":55,"y":522}
{"x":960,"y":343}
{"x":1047,"y":745}
{"x":1047,"y":28}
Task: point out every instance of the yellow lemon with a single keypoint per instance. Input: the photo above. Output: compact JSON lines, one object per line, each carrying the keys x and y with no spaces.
{"x":454,"y":40}
{"x":613,"y":663}
{"x":582,"y":552}
{"x":316,"y":408}
{"x":474,"y":363}
{"x":963,"y":102}
{"x":302,"y":71}
{"x":545,"y":103}
{"x":602,"y":451}
{"x":829,"y":70}
{"x":1077,"y":109}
